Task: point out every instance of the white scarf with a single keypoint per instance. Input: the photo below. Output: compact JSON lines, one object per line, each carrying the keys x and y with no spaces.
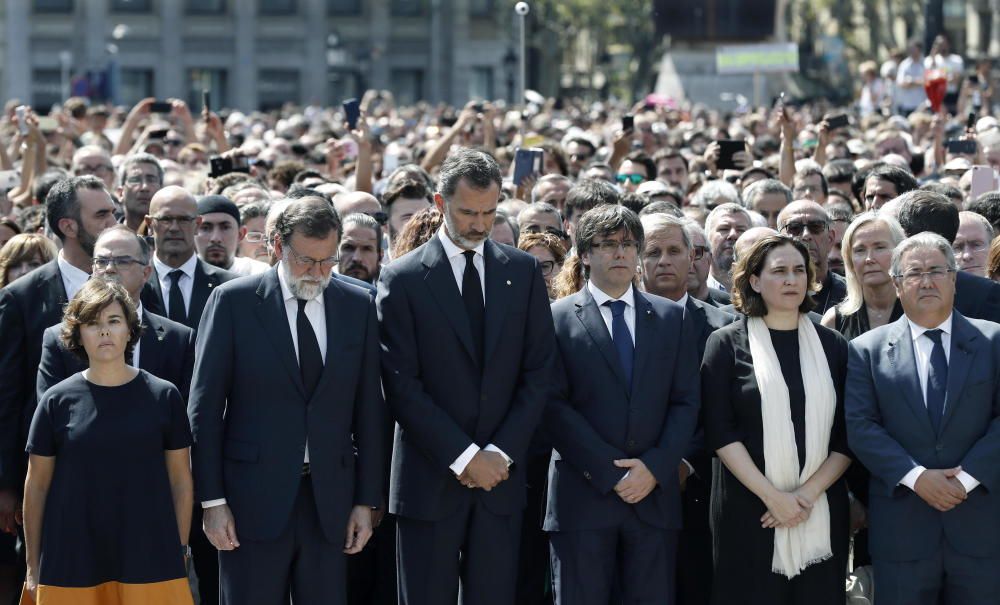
{"x":798,"y":547}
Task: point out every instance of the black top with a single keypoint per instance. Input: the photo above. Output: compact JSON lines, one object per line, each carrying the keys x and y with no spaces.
{"x":855,"y":324}
{"x":832,"y":292}
{"x":109,"y":514}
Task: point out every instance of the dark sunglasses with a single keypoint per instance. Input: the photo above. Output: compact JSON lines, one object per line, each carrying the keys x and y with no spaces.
{"x":797,"y":229}
{"x":635,"y":178}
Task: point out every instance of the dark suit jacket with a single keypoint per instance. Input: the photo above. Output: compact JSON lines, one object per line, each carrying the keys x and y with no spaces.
{"x":251,"y":418}
{"x":27,"y":307}
{"x":206,"y":278}
{"x":834,"y":291}
{"x":166,"y":350}
{"x":977,"y":297}
{"x":890,"y":431}
{"x":594,"y":417}
{"x":441,"y":397}
{"x":718,"y":298}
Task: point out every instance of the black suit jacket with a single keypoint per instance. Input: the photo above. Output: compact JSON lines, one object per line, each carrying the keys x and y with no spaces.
{"x":596,"y":417}
{"x":206,"y":278}
{"x":251,"y":416}
{"x":441,"y":397}
{"x":27,"y":307}
{"x":166,"y":350}
{"x":718,"y":298}
{"x":977,"y":297}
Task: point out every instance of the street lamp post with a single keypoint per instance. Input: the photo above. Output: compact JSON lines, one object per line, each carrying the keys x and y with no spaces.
{"x":522,"y":9}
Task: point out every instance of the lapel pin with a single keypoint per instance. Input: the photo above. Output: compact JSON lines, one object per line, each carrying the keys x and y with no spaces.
{"x":648,"y":312}
{"x":508,"y":282}
{"x":210,"y":285}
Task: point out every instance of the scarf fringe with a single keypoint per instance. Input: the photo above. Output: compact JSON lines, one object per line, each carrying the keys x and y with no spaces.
{"x":809,"y":563}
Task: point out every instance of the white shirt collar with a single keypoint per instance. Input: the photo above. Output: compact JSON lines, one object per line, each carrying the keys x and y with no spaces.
{"x":286,"y":292}
{"x":187,"y":268}
{"x":71,"y":272}
{"x":918,"y":331}
{"x":600,"y":297}
{"x":683,"y":300}
{"x":451,"y":249}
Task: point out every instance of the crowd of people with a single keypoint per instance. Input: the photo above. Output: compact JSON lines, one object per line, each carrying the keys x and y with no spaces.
{"x":686,"y":357}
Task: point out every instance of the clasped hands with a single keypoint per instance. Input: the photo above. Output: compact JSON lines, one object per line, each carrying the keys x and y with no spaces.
{"x":485,"y":471}
{"x":637,"y":483}
{"x":788,"y":509}
{"x":941,"y":488}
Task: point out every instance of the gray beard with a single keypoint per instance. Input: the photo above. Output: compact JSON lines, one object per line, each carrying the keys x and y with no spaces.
{"x":300,"y":288}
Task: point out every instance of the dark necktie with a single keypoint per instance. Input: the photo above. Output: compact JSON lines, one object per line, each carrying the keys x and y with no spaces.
{"x":622,"y":337}
{"x":472,"y":296}
{"x":937,"y":379}
{"x":310,"y":358}
{"x":177,"y":310}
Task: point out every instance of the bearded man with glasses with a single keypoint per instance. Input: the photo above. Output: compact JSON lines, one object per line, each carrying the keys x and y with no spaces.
{"x":807,"y":222}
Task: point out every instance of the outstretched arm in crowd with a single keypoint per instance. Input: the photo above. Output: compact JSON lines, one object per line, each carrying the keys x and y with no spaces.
{"x":440,"y":150}
{"x":786,"y":170}
{"x":31,"y":165}
{"x":127,"y":138}
{"x":363,"y":169}
{"x":215,"y":130}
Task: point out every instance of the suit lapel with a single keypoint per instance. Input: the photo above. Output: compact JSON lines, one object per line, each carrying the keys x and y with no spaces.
{"x":590,"y":316}
{"x":963,"y":348}
{"x":498,"y":286}
{"x":441,"y":283}
{"x":151,"y":345}
{"x":645,"y":336}
{"x":900,"y":353}
{"x":204,"y":283}
{"x":274,"y":319}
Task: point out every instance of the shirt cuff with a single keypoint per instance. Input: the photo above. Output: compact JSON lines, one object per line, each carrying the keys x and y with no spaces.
{"x":910,"y":478}
{"x":493,"y":448}
{"x":211,"y":503}
{"x":458,"y":466}
{"x":690,"y":468}
{"x":968,"y":481}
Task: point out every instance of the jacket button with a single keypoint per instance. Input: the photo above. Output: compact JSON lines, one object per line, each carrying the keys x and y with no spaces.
{"x":586,"y":475}
{"x":631,"y":442}
{"x":939,"y":447}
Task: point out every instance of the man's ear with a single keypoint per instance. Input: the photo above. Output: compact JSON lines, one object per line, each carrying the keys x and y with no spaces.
{"x":70,"y":227}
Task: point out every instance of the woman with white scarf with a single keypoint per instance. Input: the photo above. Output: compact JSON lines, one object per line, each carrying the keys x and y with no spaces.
{"x":772,"y":397}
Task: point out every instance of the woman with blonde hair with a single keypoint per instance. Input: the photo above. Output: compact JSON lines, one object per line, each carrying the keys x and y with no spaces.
{"x":22,"y":254}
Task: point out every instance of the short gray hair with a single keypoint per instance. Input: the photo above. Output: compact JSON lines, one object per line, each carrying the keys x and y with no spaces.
{"x":541,"y":208}
{"x":692,"y":228}
{"x":724,"y":210}
{"x":926,"y":240}
{"x":979,"y":218}
{"x":653,"y":224}
{"x":479,"y":170}
{"x":363,"y":220}
{"x":138,"y":158}
{"x":714,"y":190}
{"x":144,"y":249}
{"x":311,"y":216}
{"x":758,"y":189}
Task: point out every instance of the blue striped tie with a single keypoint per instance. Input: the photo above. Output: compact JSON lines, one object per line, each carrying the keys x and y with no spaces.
{"x":622,"y":337}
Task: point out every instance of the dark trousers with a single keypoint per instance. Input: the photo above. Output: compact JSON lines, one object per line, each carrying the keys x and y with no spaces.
{"x":534,"y":582}
{"x":371,"y":574}
{"x":205,"y":560}
{"x":948,"y":577}
{"x":694,"y":547}
{"x":300,"y":563}
{"x":470,"y":556}
{"x":585,"y":564}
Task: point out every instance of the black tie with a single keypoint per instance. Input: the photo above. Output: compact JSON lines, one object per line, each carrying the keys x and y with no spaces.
{"x":622,"y":337}
{"x":310,"y":359}
{"x":472,"y":296}
{"x":937,"y":379}
{"x":177,"y":311}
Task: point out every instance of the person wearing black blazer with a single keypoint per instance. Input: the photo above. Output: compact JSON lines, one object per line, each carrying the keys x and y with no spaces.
{"x":666,"y":259}
{"x":467,"y":351}
{"x":622,"y":415}
{"x":288,"y":420}
{"x":181,"y":282}
{"x":78,"y":209}
{"x":165,"y":349}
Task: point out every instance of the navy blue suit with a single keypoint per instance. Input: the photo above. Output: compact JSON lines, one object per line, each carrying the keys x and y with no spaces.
{"x":444,"y":399}
{"x":977,"y":297}
{"x":594,"y":418}
{"x":251,"y":417}
{"x":920,"y":553}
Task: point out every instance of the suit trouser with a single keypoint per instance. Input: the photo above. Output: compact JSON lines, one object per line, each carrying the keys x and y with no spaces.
{"x":947,"y":578}
{"x":533,"y":579}
{"x":694,"y":547}
{"x":371,"y":574}
{"x":300,"y":563}
{"x":205,"y":560}
{"x":470,"y":556}
{"x":585,"y":564}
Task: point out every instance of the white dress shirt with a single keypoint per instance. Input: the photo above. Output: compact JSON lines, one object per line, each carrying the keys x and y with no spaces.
{"x":714,"y":283}
{"x":72,"y":278}
{"x":922,"y":348}
{"x":457,"y":260}
{"x":186,"y":282}
{"x":316,"y":313}
{"x":683,"y":302}
{"x":628,"y":298}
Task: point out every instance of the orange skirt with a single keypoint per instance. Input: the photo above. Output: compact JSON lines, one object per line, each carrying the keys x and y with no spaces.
{"x":172,"y":592}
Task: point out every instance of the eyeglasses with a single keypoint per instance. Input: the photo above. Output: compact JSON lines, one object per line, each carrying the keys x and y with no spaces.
{"x":798,"y":229}
{"x":103,"y":262}
{"x":915,"y":276}
{"x":970,"y":247}
{"x":635,"y":179}
{"x":804,"y":189}
{"x":611,"y":246}
{"x":380,"y":217}
{"x":254,"y":237}
{"x":99,"y":169}
{"x":550,"y":230}
{"x":149,"y":179}
{"x":173,"y":142}
{"x":699,"y":252}
{"x":547,"y":267}
{"x":305,"y":262}
{"x":182,"y":221}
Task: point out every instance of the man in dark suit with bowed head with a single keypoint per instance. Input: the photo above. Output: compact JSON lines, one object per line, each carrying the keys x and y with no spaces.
{"x":181,"y":281}
{"x":666,"y":260}
{"x":923,"y":415}
{"x":78,"y":209}
{"x":288,"y":420}
{"x":622,"y":415}
{"x":166,"y":348}
{"x":467,"y":348}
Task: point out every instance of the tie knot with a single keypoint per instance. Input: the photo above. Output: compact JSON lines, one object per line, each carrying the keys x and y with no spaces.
{"x":302,"y":304}
{"x":175,"y":275}
{"x":934,"y":335}
{"x":469,"y":256}
{"x":617,"y":307}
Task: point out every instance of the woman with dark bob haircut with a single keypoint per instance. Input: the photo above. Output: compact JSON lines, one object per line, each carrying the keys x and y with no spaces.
{"x":107,"y":500}
{"x":774,"y":412}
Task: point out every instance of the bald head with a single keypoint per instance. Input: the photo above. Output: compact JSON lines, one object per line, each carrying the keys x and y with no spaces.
{"x":175,"y":198}
{"x":800,"y":207}
{"x":749,"y":238}
{"x":173,"y":220}
{"x":356,"y":202}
